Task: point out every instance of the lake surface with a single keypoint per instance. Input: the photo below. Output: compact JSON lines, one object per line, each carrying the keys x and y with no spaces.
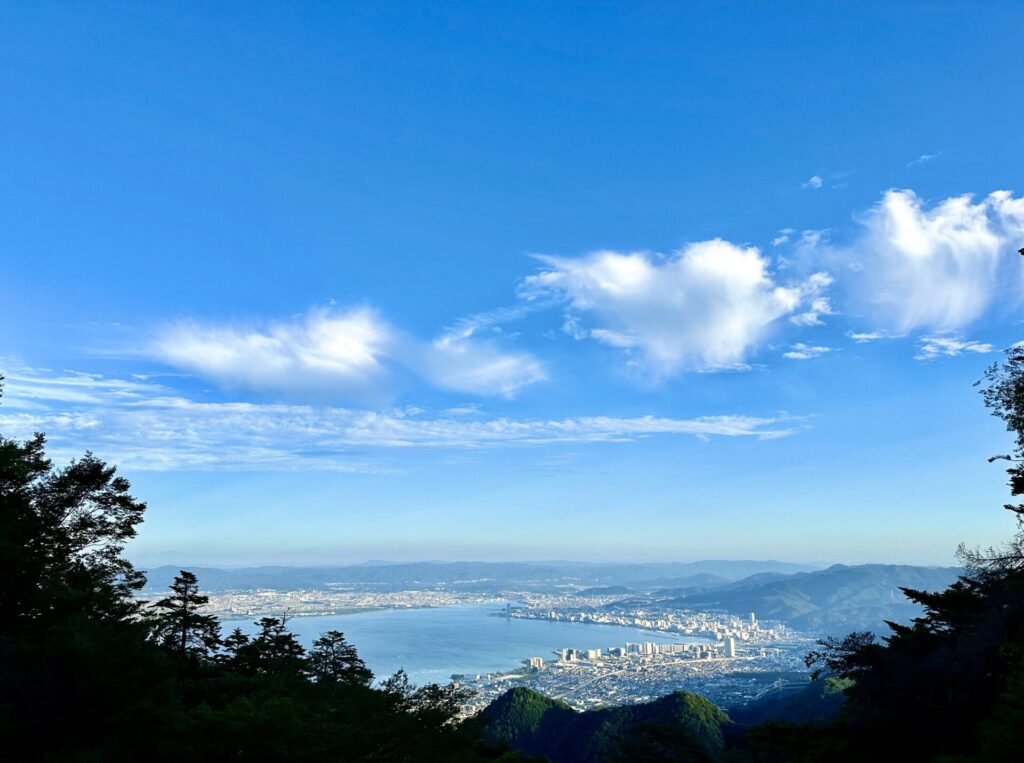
{"x":432,"y":644}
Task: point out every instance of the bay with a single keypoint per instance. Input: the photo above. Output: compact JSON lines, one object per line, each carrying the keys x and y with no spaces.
{"x":432,"y":644}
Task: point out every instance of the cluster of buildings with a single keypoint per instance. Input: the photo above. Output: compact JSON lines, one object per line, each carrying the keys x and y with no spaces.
{"x":589,"y":678}
{"x":727,"y":648}
{"x":714,"y":626}
{"x":237,"y":605}
{"x":724,"y":649}
{"x":728,"y":658}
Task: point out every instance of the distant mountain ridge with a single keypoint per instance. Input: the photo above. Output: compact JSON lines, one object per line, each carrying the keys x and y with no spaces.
{"x":835,"y":600}
{"x":476,"y":575}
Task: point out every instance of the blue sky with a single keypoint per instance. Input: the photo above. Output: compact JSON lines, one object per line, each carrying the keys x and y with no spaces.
{"x":334,"y":282}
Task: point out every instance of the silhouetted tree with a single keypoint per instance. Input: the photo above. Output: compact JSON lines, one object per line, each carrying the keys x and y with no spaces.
{"x":1004,"y":396}
{"x":436,"y":704}
{"x":63,"y":533}
{"x":180,"y":627}
{"x":333,"y":661}
{"x":274,"y":650}
{"x":75,"y":669}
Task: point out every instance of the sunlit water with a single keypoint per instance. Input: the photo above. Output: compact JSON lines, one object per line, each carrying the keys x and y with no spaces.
{"x":432,"y":644}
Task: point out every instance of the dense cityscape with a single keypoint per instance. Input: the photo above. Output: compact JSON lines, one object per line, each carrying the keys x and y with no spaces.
{"x":729,"y":659}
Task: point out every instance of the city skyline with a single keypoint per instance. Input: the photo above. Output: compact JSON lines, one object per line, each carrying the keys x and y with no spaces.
{"x":532,"y":282}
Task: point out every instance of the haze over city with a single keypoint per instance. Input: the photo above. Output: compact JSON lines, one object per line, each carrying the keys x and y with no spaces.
{"x":512,"y":282}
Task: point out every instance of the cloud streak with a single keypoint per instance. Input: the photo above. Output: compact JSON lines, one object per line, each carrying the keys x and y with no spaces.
{"x":801,"y":351}
{"x":148,"y":427}
{"x":933,"y":347}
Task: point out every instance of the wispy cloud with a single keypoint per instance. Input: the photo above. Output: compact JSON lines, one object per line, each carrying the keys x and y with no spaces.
{"x":923,"y":158}
{"x":933,"y":347}
{"x":938,"y":267}
{"x":817,"y":305}
{"x":801,"y":351}
{"x":703,"y":308}
{"x":325,"y":349}
{"x":813,"y":182}
{"x":863,"y":337}
{"x":350,"y":355}
{"x":149,"y":427}
{"x":464,"y":364}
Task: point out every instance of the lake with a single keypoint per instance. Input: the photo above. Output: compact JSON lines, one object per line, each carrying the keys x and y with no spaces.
{"x":432,"y":644}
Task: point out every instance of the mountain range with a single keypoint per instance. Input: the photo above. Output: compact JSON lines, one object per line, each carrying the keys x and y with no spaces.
{"x":478,"y":576}
{"x":835,"y":600}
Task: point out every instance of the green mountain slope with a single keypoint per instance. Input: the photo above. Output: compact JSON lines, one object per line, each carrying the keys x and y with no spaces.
{"x":817,"y":700}
{"x":682,"y":726}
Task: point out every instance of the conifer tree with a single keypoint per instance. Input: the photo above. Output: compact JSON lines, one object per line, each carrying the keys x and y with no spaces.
{"x":180,"y":626}
{"x":335,"y":661}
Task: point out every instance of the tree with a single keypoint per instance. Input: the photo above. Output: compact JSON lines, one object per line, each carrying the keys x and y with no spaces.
{"x":73,"y":652}
{"x":437,"y":705}
{"x":273,"y":651}
{"x":334,"y":661}
{"x":1004,"y":397}
{"x":180,"y":627}
{"x":63,"y":532}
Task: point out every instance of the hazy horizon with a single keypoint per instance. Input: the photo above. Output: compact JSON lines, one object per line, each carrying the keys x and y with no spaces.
{"x":305,"y":560}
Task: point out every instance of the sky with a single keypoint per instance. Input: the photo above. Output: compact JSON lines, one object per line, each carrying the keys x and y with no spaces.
{"x":332,"y":282}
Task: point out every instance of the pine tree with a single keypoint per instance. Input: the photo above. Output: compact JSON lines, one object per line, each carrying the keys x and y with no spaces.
{"x":180,"y":626}
{"x":335,"y":661}
{"x":273,"y":651}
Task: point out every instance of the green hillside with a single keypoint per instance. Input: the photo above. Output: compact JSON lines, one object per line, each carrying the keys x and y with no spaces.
{"x":679,"y":727}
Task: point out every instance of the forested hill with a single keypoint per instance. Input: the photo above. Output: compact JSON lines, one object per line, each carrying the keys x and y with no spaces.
{"x":684,"y":725}
{"x":830,"y":601}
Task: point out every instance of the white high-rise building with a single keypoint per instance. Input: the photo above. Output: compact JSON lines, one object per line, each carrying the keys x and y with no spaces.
{"x":730,"y":647}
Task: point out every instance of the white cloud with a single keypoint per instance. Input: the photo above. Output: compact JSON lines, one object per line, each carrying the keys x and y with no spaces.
{"x":325,"y":349}
{"x":933,"y":347}
{"x":862,"y":337}
{"x":463,"y":410}
{"x":783,"y":236}
{"x":349,"y":354}
{"x":814,"y":181}
{"x":942,"y":267}
{"x":464,"y":364}
{"x":801,"y":351}
{"x":923,"y":158}
{"x":158,"y":429}
{"x":705,"y":307}
{"x":817,"y":304}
